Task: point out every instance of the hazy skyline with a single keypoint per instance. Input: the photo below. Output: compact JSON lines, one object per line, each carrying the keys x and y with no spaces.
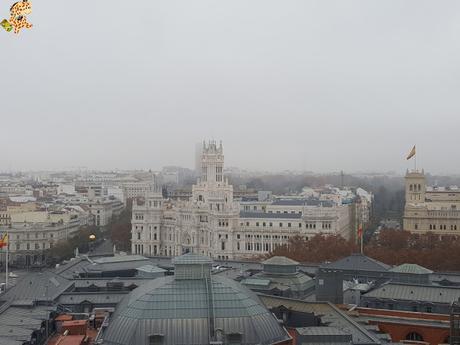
{"x":301,"y":85}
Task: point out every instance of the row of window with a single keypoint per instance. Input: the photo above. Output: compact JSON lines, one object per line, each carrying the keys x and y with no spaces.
{"x":155,"y":203}
{"x":153,"y":250}
{"x":223,"y":222}
{"x":415,"y":187}
{"x":275,"y":237}
{"x":258,"y":246}
{"x":453,"y":212}
{"x":155,"y":236}
{"x":441,"y":227}
{"x":187,"y":217}
{"x":264,"y":207}
{"x":18,"y":237}
{"x":324,"y":225}
{"x":30,"y":246}
{"x":238,"y":236}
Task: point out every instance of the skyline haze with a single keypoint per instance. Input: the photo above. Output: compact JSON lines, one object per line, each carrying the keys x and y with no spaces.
{"x":298,"y":85}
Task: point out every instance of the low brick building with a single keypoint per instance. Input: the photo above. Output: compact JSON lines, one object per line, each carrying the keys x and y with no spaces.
{"x":402,"y":326}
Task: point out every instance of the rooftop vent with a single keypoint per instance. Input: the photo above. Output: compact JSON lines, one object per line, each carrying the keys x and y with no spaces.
{"x":192,"y":266}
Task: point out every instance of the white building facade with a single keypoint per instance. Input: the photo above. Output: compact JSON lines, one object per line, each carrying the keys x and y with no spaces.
{"x":212,"y":223}
{"x":430,"y":209}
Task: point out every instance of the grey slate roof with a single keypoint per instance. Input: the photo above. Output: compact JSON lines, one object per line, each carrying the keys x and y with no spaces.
{"x":116,"y":266}
{"x":85,"y":282}
{"x":151,"y":269}
{"x":329,"y":314}
{"x":270,"y":215}
{"x":280,"y":261}
{"x":411,"y":268}
{"x":17,"y":324}
{"x":256,"y":282}
{"x":303,"y":202}
{"x":320,"y":330}
{"x":94,"y":298}
{"x":357,"y":262}
{"x":46,"y":286}
{"x":119,"y":258}
{"x":297,"y":282}
{"x":422,"y":293}
{"x":289,"y":202}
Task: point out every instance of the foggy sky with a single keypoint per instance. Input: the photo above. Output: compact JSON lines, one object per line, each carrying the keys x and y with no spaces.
{"x":308,"y":85}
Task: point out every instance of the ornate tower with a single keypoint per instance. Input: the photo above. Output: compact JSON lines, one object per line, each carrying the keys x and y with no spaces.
{"x":415,"y":187}
{"x":212,"y":187}
{"x":212,"y":163}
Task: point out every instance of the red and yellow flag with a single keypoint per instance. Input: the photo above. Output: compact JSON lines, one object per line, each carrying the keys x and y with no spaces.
{"x":360,"y":231}
{"x":411,"y":153}
{"x":4,"y":241}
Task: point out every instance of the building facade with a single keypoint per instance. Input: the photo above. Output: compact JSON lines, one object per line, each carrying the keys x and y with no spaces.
{"x":27,"y":242}
{"x":136,"y":189}
{"x":430,"y":209}
{"x":213,"y":223}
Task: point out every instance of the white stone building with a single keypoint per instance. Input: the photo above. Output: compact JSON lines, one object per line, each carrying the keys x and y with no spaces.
{"x":430,"y":209}
{"x":27,"y":241}
{"x":212,"y":223}
{"x":104,"y":209}
{"x":137,"y":189}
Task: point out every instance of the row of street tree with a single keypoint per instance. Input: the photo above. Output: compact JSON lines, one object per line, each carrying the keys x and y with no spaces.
{"x":393,"y":247}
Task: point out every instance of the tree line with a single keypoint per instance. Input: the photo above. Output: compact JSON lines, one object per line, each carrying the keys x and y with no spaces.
{"x":393,"y":247}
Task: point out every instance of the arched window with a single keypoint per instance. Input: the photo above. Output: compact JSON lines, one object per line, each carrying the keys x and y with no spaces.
{"x":419,"y":188}
{"x":410,"y":188}
{"x":414,"y":336}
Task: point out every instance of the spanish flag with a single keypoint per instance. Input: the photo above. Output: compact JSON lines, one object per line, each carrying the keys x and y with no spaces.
{"x":360,"y":231}
{"x":411,"y":153}
{"x":3,"y":241}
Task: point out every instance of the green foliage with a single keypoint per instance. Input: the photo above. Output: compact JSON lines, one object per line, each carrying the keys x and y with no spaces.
{"x":393,"y":247}
{"x":120,"y":228}
{"x":318,"y":249}
{"x":65,"y":249}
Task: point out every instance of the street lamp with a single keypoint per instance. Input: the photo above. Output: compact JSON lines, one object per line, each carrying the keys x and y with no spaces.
{"x":92,"y":238}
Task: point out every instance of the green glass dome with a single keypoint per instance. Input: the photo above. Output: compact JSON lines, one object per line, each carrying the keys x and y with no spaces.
{"x":193,"y":311}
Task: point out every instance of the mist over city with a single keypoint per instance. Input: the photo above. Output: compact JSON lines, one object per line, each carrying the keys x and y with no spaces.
{"x":306,"y":85}
{"x":229,"y":172}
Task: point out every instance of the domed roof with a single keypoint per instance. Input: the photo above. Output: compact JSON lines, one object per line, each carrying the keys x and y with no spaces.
{"x":193,"y":311}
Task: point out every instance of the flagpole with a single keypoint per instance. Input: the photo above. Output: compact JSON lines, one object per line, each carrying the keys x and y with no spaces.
{"x":6,"y":260}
